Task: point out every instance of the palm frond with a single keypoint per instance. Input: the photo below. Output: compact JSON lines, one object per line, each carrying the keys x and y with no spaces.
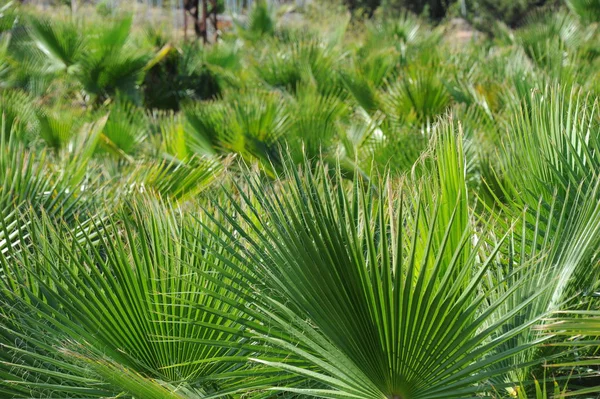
{"x":109,"y":293}
{"x":418,"y":96}
{"x":587,"y":10}
{"x":61,"y":44}
{"x":372,"y":290}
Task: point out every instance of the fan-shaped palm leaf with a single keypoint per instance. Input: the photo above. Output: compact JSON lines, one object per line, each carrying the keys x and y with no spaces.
{"x":60,"y":42}
{"x":105,"y":291}
{"x":378,"y":291}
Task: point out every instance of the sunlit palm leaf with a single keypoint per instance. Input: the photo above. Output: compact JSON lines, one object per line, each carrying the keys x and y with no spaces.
{"x":372,"y":289}
{"x":110,"y":295}
{"x":60,"y":42}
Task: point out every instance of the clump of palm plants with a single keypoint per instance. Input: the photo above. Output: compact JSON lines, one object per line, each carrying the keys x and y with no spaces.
{"x":361,"y":210}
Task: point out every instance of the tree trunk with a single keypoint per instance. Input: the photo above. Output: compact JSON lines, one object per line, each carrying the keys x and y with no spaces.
{"x":213,"y":18}
{"x":193,"y":8}
{"x":204,"y":25}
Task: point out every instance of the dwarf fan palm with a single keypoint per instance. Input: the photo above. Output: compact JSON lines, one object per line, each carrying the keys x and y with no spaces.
{"x":587,"y":10}
{"x":549,"y":178}
{"x":378,"y":290}
{"x":108,"y":293}
{"x":102,"y":63}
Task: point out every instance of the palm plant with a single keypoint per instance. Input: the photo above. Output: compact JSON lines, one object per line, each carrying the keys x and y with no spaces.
{"x":125,"y":128}
{"x":315,"y":124}
{"x":27,"y":183}
{"x":102,"y":63}
{"x":380,"y":291}
{"x":406,"y":33}
{"x":111,"y":66}
{"x":60,"y":45}
{"x":556,"y":41}
{"x":557,"y":196}
{"x":554,"y":133}
{"x":29,"y":365}
{"x":57,"y":128}
{"x":177,"y":179}
{"x":587,"y":10}
{"x":418,"y":96}
{"x":118,"y":321}
{"x":260,"y":22}
{"x":193,"y":72}
{"x":18,"y":114}
{"x":251,"y":126}
{"x":358,"y":210}
{"x":300,"y":59}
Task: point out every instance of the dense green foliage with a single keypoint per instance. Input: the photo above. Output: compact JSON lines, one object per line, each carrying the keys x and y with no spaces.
{"x":328,"y":208}
{"x":510,"y":12}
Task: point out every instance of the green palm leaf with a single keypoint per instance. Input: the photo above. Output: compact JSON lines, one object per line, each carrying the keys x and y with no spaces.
{"x":550,"y":183}
{"x":120,"y":319}
{"x":60,"y":42}
{"x":380,"y":292}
